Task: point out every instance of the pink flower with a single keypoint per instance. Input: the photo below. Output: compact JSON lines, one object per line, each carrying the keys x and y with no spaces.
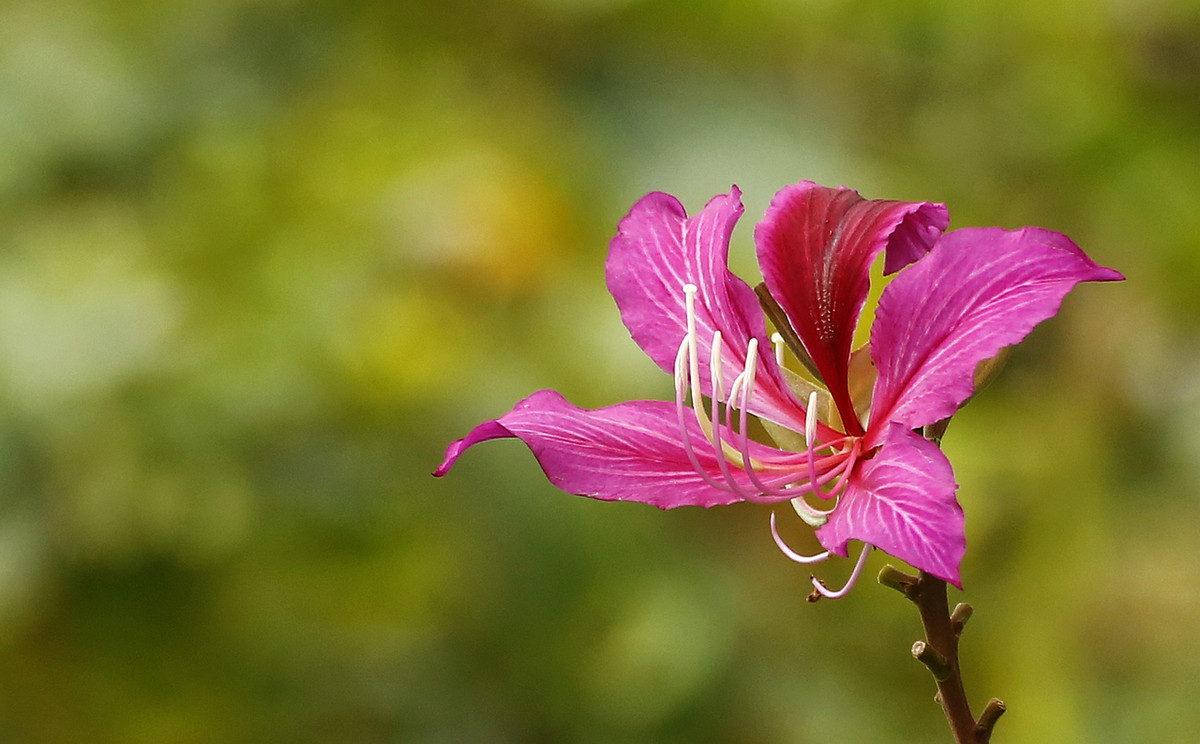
{"x":961,"y":297}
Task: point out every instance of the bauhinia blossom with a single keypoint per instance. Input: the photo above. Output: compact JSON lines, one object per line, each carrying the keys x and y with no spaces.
{"x":850,"y":444}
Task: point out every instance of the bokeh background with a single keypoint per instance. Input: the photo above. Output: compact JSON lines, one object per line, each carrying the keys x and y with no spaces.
{"x":260,"y":260}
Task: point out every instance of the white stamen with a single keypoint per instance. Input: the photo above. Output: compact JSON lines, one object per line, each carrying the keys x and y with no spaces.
{"x":684,"y":434}
{"x":712,"y":427}
{"x":858,"y":569}
{"x":777,"y":340}
{"x":681,"y":381}
{"x":717,"y":378}
{"x":740,"y":394}
{"x":683,"y":359}
{"x":810,"y":444}
{"x":741,"y":391}
{"x":687,"y":361}
{"x":810,"y":422}
{"x":687,"y":377}
{"x":812,"y":517}
{"x":715,"y":374}
{"x":793,"y":555}
{"x":689,"y":291}
{"x":751,"y":368}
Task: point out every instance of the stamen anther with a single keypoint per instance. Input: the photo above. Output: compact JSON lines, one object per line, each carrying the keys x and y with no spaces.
{"x":689,"y":292}
{"x":810,"y":444}
{"x":714,"y":371}
{"x":810,"y":422}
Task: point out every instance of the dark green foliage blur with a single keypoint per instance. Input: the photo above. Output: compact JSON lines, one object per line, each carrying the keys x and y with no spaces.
{"x":260,"y":260}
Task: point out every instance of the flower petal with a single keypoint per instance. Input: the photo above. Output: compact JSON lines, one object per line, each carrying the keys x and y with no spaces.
{"x":627,"y":452}
{"x":902,"y":502}
{"x":816,"y":246}
{"x":978,"y":290}
{"x":657,"y":250}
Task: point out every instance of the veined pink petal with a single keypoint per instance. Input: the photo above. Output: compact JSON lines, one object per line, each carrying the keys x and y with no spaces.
{"x":627,"y":452}
{"x":902,"y":502}
{"x":978,"y":290}
{"x":657,"y":250}
{"x":816,"y":246}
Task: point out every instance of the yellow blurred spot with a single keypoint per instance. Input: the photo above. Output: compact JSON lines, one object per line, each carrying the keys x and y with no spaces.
{"x":481,"y":216}
{"x":405,"y":344}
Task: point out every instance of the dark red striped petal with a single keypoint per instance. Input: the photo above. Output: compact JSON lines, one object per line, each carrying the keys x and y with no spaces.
{"x":816,"y":246}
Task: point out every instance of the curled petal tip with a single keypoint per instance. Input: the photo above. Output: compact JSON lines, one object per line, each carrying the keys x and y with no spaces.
{"x":452,"y":452}
{"x":483,"y":432}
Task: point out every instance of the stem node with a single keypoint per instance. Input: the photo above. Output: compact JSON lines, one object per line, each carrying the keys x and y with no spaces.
{"x":893,"y":577}
{"x":987,"y":719}
{"x":960,"y":616}
{"x":939,"y":653}
{"x":937,"y":664}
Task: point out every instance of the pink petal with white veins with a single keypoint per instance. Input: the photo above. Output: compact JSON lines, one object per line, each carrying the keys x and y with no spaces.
{"x":978,"y":290}
{"x":628,"y":452}
{"x":658,"y":250}
{"x":816,"y":246}
{"x":902,"y":502}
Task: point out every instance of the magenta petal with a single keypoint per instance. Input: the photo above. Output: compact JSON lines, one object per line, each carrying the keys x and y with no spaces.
{"x":481,"y":433}
{"x":816,"y":246}
{"x":978,"y":290}
{"x":627,"y":452}
{"x":902,"y":502}
{"x":657,"y":250}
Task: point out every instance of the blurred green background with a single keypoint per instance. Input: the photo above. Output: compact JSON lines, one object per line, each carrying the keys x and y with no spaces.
{"x":260,"y":260}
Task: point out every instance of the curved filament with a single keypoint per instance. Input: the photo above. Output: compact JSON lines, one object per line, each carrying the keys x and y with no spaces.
{"x":793,"y":555}
{"x":858,"y":569}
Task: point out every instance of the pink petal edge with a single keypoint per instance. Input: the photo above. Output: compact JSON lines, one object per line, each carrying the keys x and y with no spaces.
{"x":815,"y":248}
{"x":657,"y":250}
{"x":627,"y":452}
{"x":978,"y":290}
{"x":902,"y":501}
